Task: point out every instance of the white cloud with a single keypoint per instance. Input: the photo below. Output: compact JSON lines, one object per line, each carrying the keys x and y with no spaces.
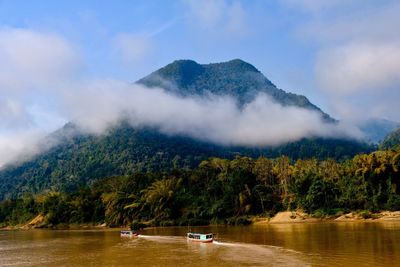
{"x":316,"y":6}
{"x":357,"y":46}
{"x":17,"y":146}
{"x":13,"y":115}
{"x":359,"y":67}
{"x":34,"y":67}
{"x":132,"y":49}
{"x":218,"y":16}
{"x":215,"y":119}
{"x":31,"y":59}
{"x":365,"y":23}
{"x":236,"y":19}
{"x":207,"y":12}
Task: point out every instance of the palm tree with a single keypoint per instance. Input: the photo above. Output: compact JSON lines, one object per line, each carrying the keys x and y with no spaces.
{"x":160,"y":194}
{"x":282,"y":170}
{"x":263,"y":169}
{"x":115,"y":203}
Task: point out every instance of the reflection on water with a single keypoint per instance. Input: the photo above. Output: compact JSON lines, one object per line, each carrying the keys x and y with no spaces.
{"x":317,"y":244}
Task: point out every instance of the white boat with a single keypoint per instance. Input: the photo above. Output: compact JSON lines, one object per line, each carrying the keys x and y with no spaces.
{"x":204,"y":238}
{"x":128,"y":233}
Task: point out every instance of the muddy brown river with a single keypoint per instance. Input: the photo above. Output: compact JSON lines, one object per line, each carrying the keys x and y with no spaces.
{"x":307,"y":244}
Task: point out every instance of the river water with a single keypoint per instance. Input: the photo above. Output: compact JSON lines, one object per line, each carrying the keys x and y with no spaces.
{"x":305,"y":244}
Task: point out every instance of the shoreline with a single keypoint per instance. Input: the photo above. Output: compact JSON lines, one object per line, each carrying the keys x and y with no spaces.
{"x":354,"y":216}
{"x":283,"y":217}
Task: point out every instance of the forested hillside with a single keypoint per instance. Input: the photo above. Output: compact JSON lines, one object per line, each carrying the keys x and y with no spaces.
{"x":392,"y":140}
{"x":376,"y":129}
{"x":124,"y":150}
{"x":80,"y":159}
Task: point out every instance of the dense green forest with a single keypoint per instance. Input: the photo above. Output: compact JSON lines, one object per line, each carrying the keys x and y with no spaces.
{"x":221,"y":191}
{"x":83,"y":159}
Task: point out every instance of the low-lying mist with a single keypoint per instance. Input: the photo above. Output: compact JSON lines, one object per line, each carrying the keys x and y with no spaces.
{"x":96,"y":106}
{"x":216,"y":119}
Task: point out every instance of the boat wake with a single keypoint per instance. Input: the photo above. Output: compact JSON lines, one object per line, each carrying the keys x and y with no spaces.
{"x":260,"y":255}
{"x":220,"y":243}
{"x":246,"y":245}
{"x":163,"y":239}
{"x":241,"y":254}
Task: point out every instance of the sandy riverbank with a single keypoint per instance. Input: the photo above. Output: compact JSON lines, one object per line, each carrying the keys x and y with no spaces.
{"x":301,"y":217}
{"x":380,"y":216}
{"x":287,"y":217}
{"x":280,"y":217}
{"x":39,"y":220}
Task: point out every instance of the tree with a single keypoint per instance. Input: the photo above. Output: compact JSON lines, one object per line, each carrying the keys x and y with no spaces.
{"x":159,"y":196}
{"x":283,"y":171}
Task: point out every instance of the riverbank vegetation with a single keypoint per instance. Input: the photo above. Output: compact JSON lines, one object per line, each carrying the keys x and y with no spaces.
{"x":221,"y":191}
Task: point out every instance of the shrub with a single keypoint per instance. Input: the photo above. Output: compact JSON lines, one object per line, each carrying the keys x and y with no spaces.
{"x":136,"y":225}
{"x":242,"y":220}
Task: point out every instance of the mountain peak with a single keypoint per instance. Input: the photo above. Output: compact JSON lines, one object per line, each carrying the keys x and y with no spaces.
{"x":180,"y":73}
{"x":181,"y":65}
{"x":184,"y":73}
{"x":184,"y":62}
{"x":231,"y":65}
{"x":235,"y":78}
{"x":237,"y":65}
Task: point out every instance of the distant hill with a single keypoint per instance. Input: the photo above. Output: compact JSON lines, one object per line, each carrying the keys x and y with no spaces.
{"x":377,"y":129}
{"x":392,"y":140}
{"x":80,"y":159}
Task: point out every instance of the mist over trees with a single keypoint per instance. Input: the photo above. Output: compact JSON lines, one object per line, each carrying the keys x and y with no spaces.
{"x":81,"y":159}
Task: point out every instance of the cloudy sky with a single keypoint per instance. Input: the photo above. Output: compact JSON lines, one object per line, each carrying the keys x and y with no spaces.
{"x":344,"y":55}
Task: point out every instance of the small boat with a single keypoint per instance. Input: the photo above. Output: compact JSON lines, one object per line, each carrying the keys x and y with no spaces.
{"x":128,"y":233}
{"x":204,"y":238}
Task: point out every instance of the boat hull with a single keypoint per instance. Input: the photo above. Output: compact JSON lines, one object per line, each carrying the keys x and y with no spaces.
{"x":201,"y":238}
{"x":128,"y":234}
{"x":201,"y":241}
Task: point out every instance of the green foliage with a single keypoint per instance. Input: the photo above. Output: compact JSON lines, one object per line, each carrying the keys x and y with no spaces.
{"x":321,"y":193}
{"x":241,"y":220}
{"x":392,"y":140}
{"x":19,"y":211}
{"x":222,"y":191}
{"x":57,"y":209}
{"x":365,"y":214}
{"x":82,"y":160}
{"x":136,"y":225}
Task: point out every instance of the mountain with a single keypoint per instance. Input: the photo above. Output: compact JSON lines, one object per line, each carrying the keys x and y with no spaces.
{"x":234,"y":78}
{"x":376,"y":129}
{"x":79,"y":159}
{"x":392,"y":140}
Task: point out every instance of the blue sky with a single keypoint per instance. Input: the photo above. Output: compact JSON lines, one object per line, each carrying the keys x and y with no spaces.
{"x":262,"y":34}
{"x":344,"y":55}
{"x":268,"y":34}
